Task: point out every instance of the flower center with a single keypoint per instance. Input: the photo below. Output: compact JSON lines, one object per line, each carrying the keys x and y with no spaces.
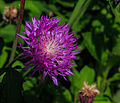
{"x":51,"y":47}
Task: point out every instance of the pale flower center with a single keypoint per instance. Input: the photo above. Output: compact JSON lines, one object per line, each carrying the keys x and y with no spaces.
{"x":51,"y":47}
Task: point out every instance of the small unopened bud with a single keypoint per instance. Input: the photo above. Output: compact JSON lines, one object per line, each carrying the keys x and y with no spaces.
{"x":50,"y":13}
{"x":88,"y":93}
{"x":10,"y":14}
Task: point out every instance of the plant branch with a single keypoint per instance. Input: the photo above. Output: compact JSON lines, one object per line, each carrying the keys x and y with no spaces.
{"x":17,"y":31}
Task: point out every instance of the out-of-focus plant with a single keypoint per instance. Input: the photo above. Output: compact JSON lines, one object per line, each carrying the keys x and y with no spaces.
{"x":88,"y":93}
{"x":10,"y":14}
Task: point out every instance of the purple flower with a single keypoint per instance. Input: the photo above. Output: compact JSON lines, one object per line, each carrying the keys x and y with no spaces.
{"x":50,"y":47}
{"x":116,"y":0}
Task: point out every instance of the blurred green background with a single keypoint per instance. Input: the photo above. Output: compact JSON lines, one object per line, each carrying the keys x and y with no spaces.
{"x":96,"y":24}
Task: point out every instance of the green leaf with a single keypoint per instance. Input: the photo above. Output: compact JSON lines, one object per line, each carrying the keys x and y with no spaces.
{"x":34,"y":8}
{"x":8,"y":32}
{"x":18,"y":63}
{"x":86,"y":74}
{"x":98,"y":26}
{"x":89,"y":44}
{"x":3,"y":57}
{"x":67,"y":96}
{"x":1,"y":77}
{"x":64,"y":96}
{"x":116,"y":97}
{"x":103,"y":11}
{"x":104,"y":57}
{"x":99,"y":81}
{"x":96,"y":23}
{"x":116,"y":11}
{"x":2,"y":5}
{"x":108,"y":91}
{"x":33,"y":90}
{"x":28,"y":84}
{"x":81,"y":24}
{"x":115,"y":77}
{"x":101,"y":99}
{"x":11,"y":87}
{"x":116,"y":48}
{"x":64,"y":3}
{"x":94,"y":43}
{"x":114,"y":60}
{"x":78,"y":12}
{"x":55,"y":10}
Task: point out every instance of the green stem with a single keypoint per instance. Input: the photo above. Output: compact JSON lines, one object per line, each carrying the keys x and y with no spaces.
{"x":113,"y":10}
{"x":17,"y":31}
{"x":78,"y":11}
{"x":112,"y":7}
{"x":105,"y":75}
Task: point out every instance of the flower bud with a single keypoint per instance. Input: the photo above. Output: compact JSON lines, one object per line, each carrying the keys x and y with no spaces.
{"x":88,"y":93}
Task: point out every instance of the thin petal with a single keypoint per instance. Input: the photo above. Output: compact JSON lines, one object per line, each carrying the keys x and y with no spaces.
{"x":55,"y":80}
{"x":23,"y":37}
{"x":44,"y":75}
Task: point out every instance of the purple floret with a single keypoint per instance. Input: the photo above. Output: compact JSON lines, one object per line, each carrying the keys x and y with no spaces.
{"x":50,"y":47}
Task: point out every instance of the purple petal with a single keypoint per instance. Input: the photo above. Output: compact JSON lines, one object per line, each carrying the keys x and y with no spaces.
{"x":55,"y":80}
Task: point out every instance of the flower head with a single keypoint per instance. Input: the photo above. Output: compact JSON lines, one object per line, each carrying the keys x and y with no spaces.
{"x":10,"y":14}
{"x":50,"y":47}
{"x":88,"y":93}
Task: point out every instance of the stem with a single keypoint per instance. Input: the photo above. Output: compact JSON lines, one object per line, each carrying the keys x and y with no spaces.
{"x":17,"y":31}
{"x":105,"y":75}
{"x":112,"y":7}
{"x":16,"y":58}
{"x":109,"y":1}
